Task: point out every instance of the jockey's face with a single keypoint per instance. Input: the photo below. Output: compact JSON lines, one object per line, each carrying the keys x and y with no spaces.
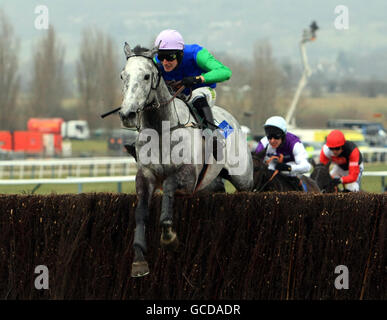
{"x":275,"y":143}
{"x":336,"y":151}
{"x":169,"y":65}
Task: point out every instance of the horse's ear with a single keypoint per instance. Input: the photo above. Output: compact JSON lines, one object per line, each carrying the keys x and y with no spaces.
{"x":313,"y":163}
{"x":127,"y":50}
{"x":155,"y":50}
{"x":328,"y":164}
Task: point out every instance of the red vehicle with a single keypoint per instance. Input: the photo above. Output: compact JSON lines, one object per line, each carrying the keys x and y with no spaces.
{"x":6,"y":140}
{"x":51,"y":125}
{"x":42,"y":135}
{"x":45,"y":126}
{"x":28,"y":142}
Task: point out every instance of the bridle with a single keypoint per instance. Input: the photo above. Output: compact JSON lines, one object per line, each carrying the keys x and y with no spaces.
{"x":280,"y":159}
{"x":153,"y":87}
{"x":157,"y":105}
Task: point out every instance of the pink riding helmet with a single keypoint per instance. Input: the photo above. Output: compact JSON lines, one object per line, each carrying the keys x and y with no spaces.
{"x":170,"y":40}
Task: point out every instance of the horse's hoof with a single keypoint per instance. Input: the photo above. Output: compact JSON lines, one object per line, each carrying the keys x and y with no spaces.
{"x":140,"y":269}
{"x":172,"y":243}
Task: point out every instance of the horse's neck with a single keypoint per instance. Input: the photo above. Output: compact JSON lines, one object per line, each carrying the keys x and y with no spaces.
{"x":262,"y":172}
{"x":162,"y":93}
{"x":167,"y":111}
{"x":154,"y":117}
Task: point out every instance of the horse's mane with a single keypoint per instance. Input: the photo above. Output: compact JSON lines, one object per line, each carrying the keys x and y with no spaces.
{"x":139,"y":50}
{"x":259,"y":156}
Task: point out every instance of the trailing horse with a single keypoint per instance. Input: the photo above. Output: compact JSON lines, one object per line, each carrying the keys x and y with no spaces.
{"x":269,"y":180}
{"x":321,"y":175}
{"x":171,"y":151}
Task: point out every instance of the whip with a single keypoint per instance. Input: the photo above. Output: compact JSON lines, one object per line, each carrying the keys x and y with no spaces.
{"x":110,"y":112}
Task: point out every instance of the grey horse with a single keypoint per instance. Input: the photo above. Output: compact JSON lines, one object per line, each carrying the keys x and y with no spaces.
{"x":172,"y":153}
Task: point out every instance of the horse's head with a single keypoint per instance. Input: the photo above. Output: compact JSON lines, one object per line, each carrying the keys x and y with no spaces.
{"x":258,"y":160}
{"x":321,"y":175}
{"x":140,"y":81}
{"x":261,"y":172}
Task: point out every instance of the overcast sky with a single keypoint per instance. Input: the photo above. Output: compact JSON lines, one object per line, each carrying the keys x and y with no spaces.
{"x":228,"y":26}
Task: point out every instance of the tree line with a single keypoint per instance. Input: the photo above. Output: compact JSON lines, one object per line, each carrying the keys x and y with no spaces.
{"x":251,"y":95}
{"x":97,"y":79}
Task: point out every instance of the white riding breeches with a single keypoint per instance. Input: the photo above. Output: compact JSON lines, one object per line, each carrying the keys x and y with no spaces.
{"x":207,"y":92}
{"x":337,"y":172}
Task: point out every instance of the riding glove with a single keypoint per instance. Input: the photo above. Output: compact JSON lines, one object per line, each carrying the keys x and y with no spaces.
{"x":191,"y":81}
{"x":335,"y":182}
{"x":283,"y":167}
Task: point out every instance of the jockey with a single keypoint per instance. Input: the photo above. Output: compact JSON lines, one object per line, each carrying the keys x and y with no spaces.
{"x":195,"y":67}
{"x":279,"y":141}
{"x":348,"y":160}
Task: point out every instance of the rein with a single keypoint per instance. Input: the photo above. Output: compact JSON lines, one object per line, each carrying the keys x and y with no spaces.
{"x":177,"y":85}
{"x":280,"y":158}
{"x":268,"y":181}
{"x":151,"y":106}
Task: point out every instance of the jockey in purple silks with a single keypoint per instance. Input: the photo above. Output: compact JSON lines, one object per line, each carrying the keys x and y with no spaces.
{"x":279,"y":141}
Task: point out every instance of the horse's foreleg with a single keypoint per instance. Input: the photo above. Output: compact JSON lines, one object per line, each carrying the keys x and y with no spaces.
{"x":140,"y":266}
{"x":144,"y":191}
{"x":168,"y":236}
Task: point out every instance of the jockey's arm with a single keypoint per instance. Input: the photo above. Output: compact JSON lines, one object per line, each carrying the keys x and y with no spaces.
{"x":216,"y":71}
{"x":260,"y":147}
{"x":323,"y":157}
{"x":353,"y":167}
{"x":301,"y":164}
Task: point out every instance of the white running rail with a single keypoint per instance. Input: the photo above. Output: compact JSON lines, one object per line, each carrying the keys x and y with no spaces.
{"x":70,"y":180}
{"x":62,"y":168}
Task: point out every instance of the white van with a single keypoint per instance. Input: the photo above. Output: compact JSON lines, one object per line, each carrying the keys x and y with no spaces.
{"x":75,"y":129}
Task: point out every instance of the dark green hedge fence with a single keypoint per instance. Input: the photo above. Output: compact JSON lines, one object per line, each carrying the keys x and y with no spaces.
{"x":236,"y":246}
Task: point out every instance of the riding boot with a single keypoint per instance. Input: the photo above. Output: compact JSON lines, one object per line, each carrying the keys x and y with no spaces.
{"x":205,"y":112}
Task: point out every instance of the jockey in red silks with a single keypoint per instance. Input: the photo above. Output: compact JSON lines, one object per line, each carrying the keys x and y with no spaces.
{"x":347,"y":158}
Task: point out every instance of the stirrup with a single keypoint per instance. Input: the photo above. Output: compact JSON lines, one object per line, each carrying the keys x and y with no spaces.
{"x":211,"y":126}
